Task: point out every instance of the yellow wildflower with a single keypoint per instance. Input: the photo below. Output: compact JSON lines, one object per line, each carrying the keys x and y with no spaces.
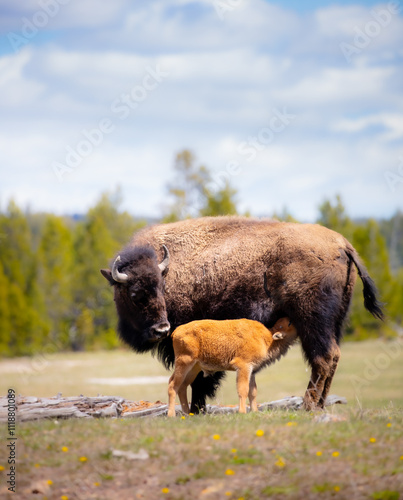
{"x":280,"y":462}
{"x":229,"y":472}
{"x":216,"y":437}
{"x":165,"y":490}
{"x":83,"y":459}
{"x":50,"y":482}
{"x":64,"y":497}
{"x":335,"y":454}
{"x":1,"y":468}
{"x":191,"y":414}
{"x":318,"y":453}
{"x":372,"y":440}
{"x":183,"y":417}
{"x":337,"y":488}
{"x":234,"y":450}
{"x":64,"y":448}
{"x":96,"y":484}
{"x":389,"y":425}
{"x":259,"y":433}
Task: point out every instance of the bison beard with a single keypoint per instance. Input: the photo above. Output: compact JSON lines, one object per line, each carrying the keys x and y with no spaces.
{"x":216,"y":270}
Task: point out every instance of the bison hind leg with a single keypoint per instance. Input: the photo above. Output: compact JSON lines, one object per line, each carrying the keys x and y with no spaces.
{"x":333,"y":362}
{"x":323,"y":353}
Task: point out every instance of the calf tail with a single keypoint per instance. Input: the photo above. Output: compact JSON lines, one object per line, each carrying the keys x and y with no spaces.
{"x":370,"y":291}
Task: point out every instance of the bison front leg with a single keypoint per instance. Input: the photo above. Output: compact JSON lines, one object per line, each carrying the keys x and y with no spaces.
{"x":202,"y":388}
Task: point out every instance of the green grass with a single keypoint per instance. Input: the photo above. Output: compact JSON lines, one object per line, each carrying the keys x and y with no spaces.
{"x":306,"y":459}
{"x":68,"y":373}
{"x":295,"y":458}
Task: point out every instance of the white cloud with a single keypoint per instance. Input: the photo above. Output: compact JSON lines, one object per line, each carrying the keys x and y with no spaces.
{"x":332,"y":86}
{"x":225,"y":78}
{"x":337,"y":21}
{"x":392,"y":122}
{"x":16,"y":90}
{"x":59,"y":15}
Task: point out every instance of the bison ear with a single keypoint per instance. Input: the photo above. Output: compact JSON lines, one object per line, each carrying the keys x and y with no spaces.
{"x":106,"y":273}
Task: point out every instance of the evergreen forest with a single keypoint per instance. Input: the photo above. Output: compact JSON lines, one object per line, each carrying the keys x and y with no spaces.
{"x":53,"y":297}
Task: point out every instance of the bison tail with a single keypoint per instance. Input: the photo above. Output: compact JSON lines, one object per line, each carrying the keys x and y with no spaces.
{"x":370,"y":291}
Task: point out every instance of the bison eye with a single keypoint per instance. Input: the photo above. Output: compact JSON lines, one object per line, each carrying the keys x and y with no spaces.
{"x":138,"y":295}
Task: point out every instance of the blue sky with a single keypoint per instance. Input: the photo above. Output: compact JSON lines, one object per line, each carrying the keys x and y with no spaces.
{"x":301,"y":6}
{"x":293,"y":102}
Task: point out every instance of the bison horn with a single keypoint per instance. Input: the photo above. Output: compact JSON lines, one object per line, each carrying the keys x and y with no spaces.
{"x":165,"y":263}
{"x":265,"y":285}
{"x":116,"y":275}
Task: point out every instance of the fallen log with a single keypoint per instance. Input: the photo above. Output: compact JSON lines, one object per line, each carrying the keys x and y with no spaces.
{"x":33,"y":408}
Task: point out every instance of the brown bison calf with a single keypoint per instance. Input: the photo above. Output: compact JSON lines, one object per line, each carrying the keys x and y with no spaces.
{"x":240,"y":345}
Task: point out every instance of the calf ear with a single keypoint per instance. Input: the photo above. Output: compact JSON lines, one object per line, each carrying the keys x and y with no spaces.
{"x":278,"y":336}
{"x":106,"y":273}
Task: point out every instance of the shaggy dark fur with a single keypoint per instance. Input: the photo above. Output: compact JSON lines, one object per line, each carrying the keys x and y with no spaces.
{"x":140,"y":302}
{"x":216,"y":271}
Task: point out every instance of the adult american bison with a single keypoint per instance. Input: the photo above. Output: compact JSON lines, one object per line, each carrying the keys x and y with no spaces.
{"x":213,"y":267}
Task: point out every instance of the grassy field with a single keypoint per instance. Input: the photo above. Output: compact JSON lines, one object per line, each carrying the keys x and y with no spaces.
{"x":277,"y":454}
{"x":367,"y":375}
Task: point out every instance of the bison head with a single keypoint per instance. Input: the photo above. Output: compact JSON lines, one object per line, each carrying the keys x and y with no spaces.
{"x":138,"y":281}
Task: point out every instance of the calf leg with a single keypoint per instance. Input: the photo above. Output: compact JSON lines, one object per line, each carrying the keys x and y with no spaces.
{"x":242,"y":382}
{"x":182,"y":391}
{"x":252,"y":393}
{"x":183,"y":365}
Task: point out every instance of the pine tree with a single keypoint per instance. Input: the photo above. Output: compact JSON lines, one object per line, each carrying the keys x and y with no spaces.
{"x":333,"y":216}
{"x":5,"y":325}
{"x":192,"y":195}
{"x":188,"y":188}
{"x":220,"y":203}
{"x":28,"y":325}
{"x":97,"y":238}
{"x":371,"y":246}
{"x":55,"y":255}
{"x":392,"y":230}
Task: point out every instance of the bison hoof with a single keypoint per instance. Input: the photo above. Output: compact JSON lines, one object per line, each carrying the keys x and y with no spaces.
{"x":309,"y":405}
